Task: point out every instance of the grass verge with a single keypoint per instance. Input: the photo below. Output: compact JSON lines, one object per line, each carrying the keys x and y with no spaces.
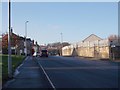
{"x":16,"y":61}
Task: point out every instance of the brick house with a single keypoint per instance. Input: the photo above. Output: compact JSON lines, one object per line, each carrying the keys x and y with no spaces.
{"x":14,"y":41}
{"x":17,"y":44}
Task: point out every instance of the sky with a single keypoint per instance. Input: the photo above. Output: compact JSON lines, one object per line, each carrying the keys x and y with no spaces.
{"x":75,"y":20}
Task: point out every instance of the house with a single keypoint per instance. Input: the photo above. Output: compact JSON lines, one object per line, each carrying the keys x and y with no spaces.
{"x":17,"y":44}
{"x":29,"y":46}
{"x":92,"y":46}
{"x":36,"y":48}
{"x":91,"y":38}
{"x":15,"y":40}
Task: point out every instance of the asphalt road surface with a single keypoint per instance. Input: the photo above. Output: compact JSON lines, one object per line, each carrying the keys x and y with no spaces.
{"x":72,"y":72}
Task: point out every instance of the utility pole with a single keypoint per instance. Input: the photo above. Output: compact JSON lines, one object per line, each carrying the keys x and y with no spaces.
{"x":61,"y":42}
{"x":9,"y":41}
{"x":61,"y":37}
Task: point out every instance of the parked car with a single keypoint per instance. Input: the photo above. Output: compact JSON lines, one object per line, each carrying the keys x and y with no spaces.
{"x":44,"y":53}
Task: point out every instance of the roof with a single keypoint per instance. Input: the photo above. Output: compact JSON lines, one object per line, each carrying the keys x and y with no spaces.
{"x":92,"y":37}
{"x":13,"y":34}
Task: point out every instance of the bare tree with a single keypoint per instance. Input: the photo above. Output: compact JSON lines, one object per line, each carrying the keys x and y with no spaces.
{"x":113,"y":37}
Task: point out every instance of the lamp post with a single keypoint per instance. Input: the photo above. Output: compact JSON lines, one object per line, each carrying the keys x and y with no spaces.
{"x":26,"y":37}
{"x":61,"y":42}
{"x":9,"y":41}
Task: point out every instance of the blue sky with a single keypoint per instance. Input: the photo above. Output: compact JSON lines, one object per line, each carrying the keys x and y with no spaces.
{"x":76,"y":20}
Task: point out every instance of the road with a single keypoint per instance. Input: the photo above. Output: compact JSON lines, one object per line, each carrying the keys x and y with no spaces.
{"x":64,"y":72}
{"x":73,"y":72}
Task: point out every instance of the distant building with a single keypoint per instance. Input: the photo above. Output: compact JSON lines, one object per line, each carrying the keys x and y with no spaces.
{"x":91,"y":38}
{"x":36,"y":47}
{"x":93,"y":46}
{"x":42,"y":47}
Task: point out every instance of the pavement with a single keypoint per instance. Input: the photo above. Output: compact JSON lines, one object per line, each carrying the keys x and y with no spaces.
{"x":28,"y":75}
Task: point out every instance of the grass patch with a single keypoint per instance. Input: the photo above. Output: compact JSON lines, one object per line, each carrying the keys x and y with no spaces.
{"x":0,"y":68}
{"x":16,"y":61}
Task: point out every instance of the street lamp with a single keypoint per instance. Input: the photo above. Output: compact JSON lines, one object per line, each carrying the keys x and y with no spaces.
{"x":26,"y":37}
{"x":9,"y":41}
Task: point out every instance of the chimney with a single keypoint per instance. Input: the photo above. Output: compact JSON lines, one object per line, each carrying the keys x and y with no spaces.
{"x":36,"y":43}
{"x":32,"y":42}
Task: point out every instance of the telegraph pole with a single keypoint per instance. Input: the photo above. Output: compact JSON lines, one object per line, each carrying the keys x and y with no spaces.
{"x":61,"y":42}
{"x":61,"y":37}
{"x":9,"y":41}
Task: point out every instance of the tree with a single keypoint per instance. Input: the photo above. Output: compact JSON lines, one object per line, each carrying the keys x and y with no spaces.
{"x":65,"y":44}
{"x":113,"y":37}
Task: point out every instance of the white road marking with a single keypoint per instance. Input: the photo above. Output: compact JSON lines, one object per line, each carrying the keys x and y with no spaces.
{"x":47,"y":76}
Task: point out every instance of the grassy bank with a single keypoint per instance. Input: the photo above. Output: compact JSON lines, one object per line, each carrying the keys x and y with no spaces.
{"x":0,"y":69}
{"x":16,"y":61}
